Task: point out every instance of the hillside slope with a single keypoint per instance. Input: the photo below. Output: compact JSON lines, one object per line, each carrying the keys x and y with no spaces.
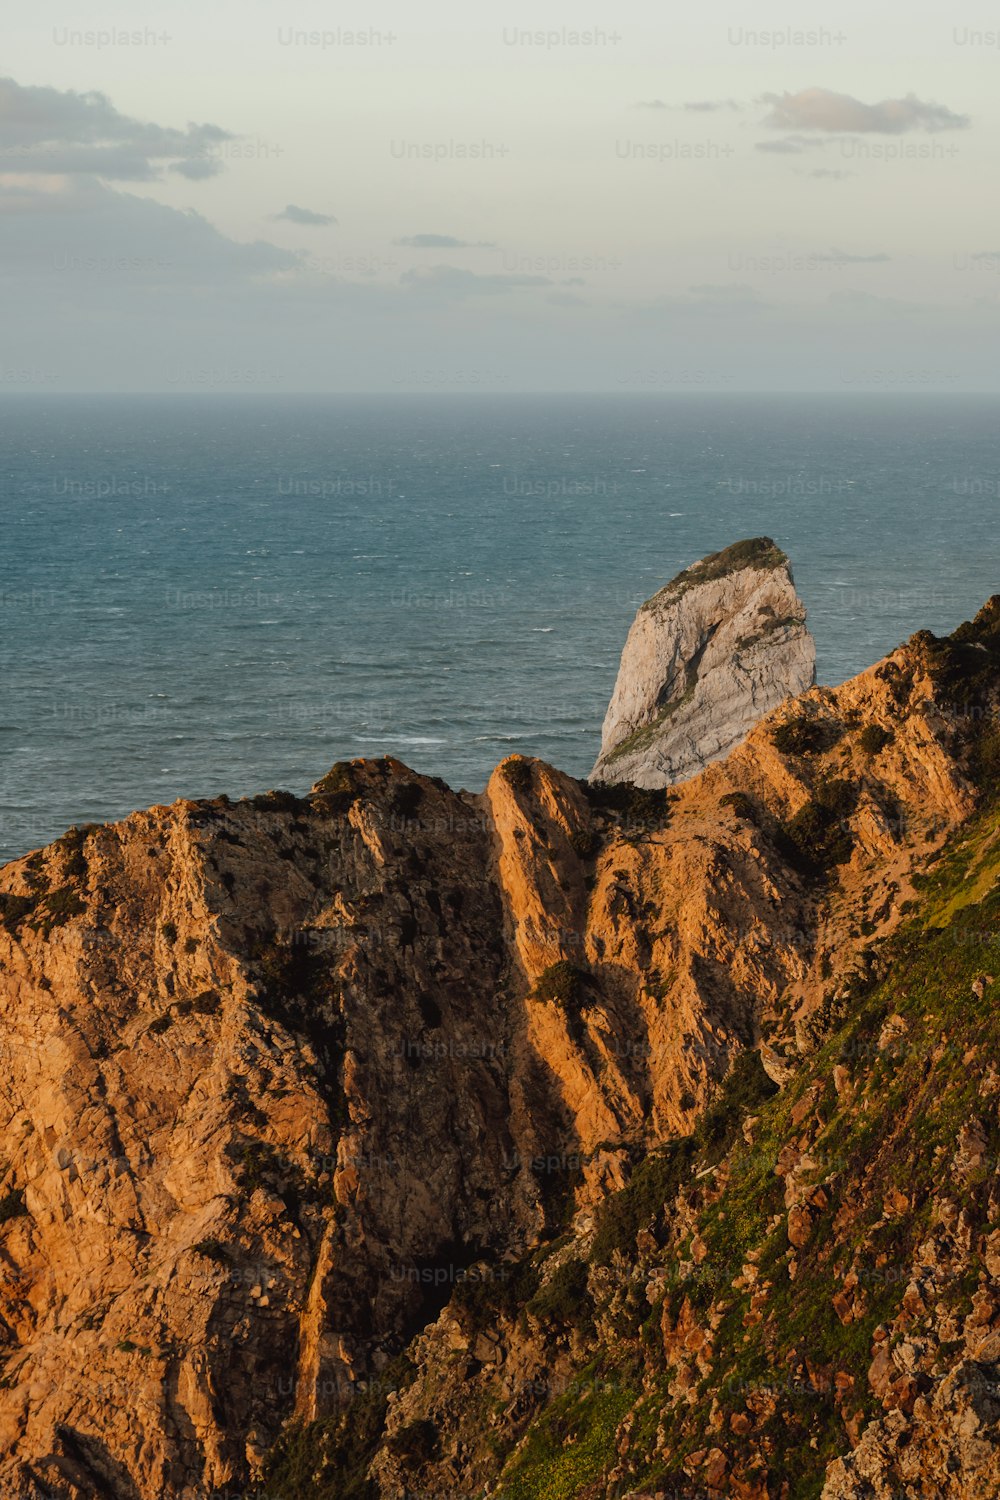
{"x":396,"y":1141}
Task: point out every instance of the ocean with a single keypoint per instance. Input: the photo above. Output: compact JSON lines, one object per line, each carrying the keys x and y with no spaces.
{"x":208,"y":593}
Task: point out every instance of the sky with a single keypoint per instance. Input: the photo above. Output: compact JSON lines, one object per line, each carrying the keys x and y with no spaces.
{"x":235,"y":195}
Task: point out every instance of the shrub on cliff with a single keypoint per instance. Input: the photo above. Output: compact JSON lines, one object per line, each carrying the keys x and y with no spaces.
{"x":564,"y":1298}
{"x":564,"y":984}
{"x":636,"y":809}
{"x":805,"y":735}
{"x":819,"y":837}
{"x":338,"y":790}
{"x":873,"y":738}
{"x":518,"y":773}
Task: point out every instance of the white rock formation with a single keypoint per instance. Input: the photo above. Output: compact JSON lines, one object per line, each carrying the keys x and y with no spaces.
{"x":706,"y":658}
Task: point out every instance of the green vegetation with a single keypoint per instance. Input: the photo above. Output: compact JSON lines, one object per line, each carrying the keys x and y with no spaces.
{"x":329,"y":1460}
{"x":71,"y":847}
{"x":658,"y":1178}
{"x":279,"y":801}
{"x":743,"y":806}
{"x":585,"y":844}
{"x":564,"y":1297}
{"x":768,"y":628}
{"x":806,"y":734}
{"x":480,"y":1301}
{"x":563,"y":984}
{"x":873,"y":1158}
{"x":873,"y":738}
{"x":338,"y":790}
{"x":58,"y":906}
{"x":518,"y":773}
{"x":893,"y":1136}
{"x":259,"y":1164}
{"x":407,"y":800}
{"x":965,"y":665}
{"x":415,"y":1444}
{"x":204,"y":1004}
{"x":755,"y":552}
{"x":636,"y":809}
{"x":819,"y":836}
{"x":40,"y":911}
{"x":298,"y":987}
{"x":572,"y":1444}
{"x":644,"y":736}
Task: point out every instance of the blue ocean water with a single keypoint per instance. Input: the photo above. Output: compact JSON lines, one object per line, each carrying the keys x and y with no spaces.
{"x":205,"y":594}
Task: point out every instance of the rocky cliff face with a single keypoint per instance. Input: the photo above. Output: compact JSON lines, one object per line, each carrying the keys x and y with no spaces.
{"x":706,"y":658}
{"x":393,"y":1141}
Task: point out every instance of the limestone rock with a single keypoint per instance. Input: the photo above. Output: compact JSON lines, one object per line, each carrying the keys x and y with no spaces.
{"x":706,"y":658}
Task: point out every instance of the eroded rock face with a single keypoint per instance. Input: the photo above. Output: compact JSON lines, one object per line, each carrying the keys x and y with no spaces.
{"x":706,"y":658}
{"x":271,"y":1068}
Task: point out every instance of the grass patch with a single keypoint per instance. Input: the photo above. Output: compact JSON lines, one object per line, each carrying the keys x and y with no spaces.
{"x":754,"y":552}
{"x":571,"y":1445}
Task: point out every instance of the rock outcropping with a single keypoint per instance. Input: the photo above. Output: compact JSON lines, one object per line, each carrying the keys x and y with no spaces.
{"x":394,"y":1141}
{"x":706,"y":658}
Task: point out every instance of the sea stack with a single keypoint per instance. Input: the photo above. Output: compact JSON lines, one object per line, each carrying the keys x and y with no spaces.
{"x":706,"y":658}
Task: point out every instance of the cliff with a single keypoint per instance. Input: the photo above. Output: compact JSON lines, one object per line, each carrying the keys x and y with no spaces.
{"x":545,"y":1143}
{"x":706,"y":658}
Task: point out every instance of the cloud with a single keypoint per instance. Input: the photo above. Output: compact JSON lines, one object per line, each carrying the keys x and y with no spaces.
{"x":442,"y":242}
{"x":842,"y":258}
{"x":295,"y":215}
{"x":565,"y":299}
{"x":452,"y":281}
{"x":54,"y":132}
{"x":790,"y":145}
{"x":693,"y":106}
{"x":87,"y":234}
{"x":824,"y":110}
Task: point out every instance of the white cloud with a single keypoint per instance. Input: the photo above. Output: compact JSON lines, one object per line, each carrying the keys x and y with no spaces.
{"x":824,"y":110}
